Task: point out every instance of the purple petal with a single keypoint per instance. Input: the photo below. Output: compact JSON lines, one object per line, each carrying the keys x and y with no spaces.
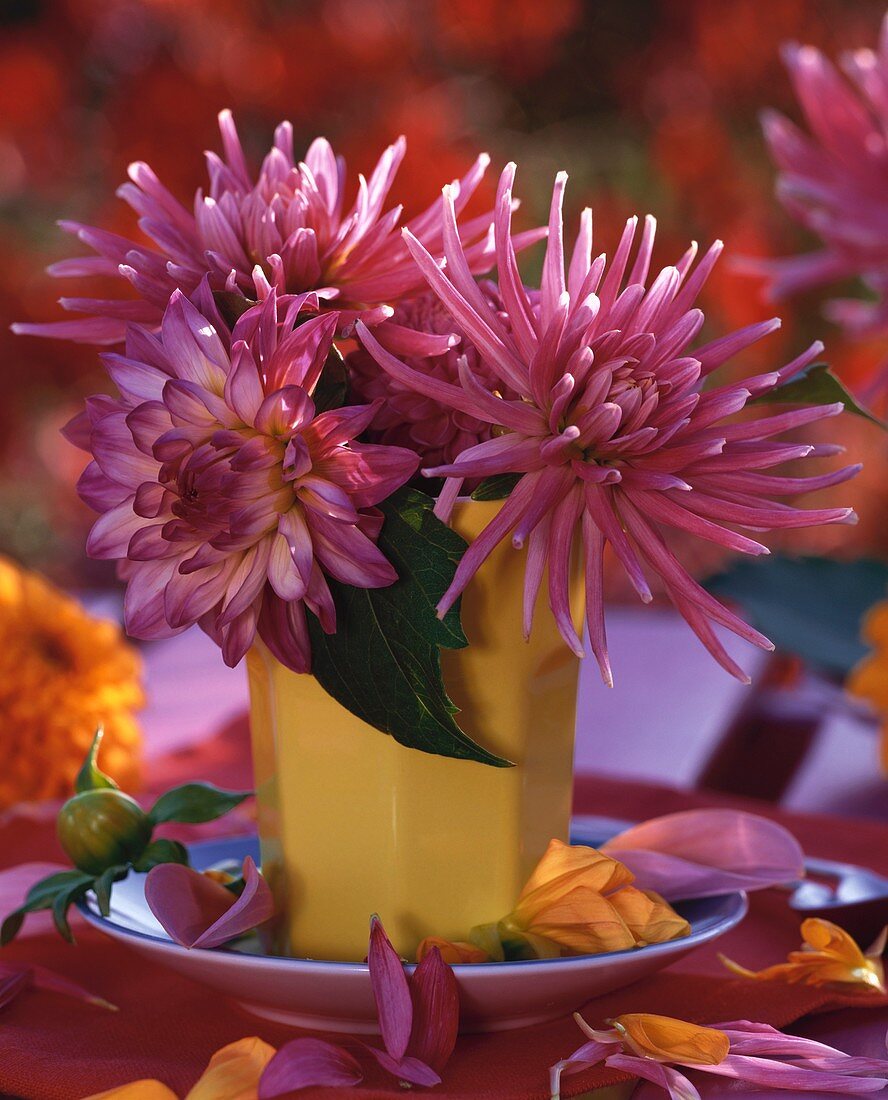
{"x":304,"y":1063}
{"x":195,"y":911}
{"x":700,"y":853}
{"x":407,"y":1069}
{"x":394,"y":1006}
{"x":435,"y":998}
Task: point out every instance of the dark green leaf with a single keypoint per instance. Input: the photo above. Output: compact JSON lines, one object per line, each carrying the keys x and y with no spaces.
{"x":383,"y":663}
{"x":232,"y":306}
{"x":816,"y":385}
{"x":161,"y":851}
{"x":103,"y":884}
{"x":194,"y":802}
{"x":90,"y":778}
{"x":60,"y":906}
{"x":496,"y":488}
{"x":332,"y":386}
{"x":810,"y":607}
{"x":43,"y":895}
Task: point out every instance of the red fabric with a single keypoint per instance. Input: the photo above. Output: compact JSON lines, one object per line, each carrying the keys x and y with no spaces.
{"x":55,"y":1049}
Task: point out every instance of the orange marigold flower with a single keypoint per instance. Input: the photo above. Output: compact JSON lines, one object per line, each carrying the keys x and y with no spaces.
{"x":828,"y":957}
{"x":869,"y":680}
{"x":62,"y":674}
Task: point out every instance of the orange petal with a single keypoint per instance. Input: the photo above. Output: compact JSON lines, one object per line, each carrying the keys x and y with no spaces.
{"x":648,"y":917}
{"x":584,"y":922}
{"x":564,"y":867}
{"x":452,"y":951}
{"x":233,"y":1072}
{"x":138,"y":1090}
{"x":875,"y":625}
{"x":667,"y":1040}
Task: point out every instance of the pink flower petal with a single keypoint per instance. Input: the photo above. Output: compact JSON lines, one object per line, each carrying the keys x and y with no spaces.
{"x":195,"y":911}
{"x":435,"y":997}
{"x":307,"y":1063}
{"x":409,"y":1069}
{"x":699,"y":853}
{"x":391,"y":992}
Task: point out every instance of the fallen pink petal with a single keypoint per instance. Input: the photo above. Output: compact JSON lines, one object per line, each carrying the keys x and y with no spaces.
{"x":196,"y":911}
{"x":702,"y":853}
{"x":307,"y":1063}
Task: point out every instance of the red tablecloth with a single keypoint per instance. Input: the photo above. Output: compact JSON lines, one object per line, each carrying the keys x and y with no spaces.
{"x":52,"y":1049}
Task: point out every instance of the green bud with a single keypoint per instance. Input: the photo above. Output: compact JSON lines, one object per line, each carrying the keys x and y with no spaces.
{"x":103,"y":828}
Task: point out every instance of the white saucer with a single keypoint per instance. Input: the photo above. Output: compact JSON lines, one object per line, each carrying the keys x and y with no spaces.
{"x":336,"y":996}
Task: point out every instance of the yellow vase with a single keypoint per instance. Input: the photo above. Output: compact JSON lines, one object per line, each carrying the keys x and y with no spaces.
{"x":353,"y":823}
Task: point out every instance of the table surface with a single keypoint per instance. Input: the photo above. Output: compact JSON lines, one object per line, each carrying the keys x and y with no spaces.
{"x":662,"y":722}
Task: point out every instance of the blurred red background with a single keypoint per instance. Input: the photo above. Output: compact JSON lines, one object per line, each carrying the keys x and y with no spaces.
{"x":651,"y":105}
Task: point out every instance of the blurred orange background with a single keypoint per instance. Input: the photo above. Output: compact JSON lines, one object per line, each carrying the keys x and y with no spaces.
{"x":651,"y":105}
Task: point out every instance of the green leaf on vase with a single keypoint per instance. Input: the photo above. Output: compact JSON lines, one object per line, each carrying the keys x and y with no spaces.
{"x":816,"y":385}
{"x":496,"y":488}
{"x":195,"y":802}
{"x":383,"y":663}
{"x":90,"y":778}
{"x":808,"y":606}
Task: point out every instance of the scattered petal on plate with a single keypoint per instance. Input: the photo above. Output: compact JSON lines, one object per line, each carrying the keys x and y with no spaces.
{"x":305,"y":1063}
{"x":197,"y":911}
{"x":702,"y":853}
{"x":435,"y":1011}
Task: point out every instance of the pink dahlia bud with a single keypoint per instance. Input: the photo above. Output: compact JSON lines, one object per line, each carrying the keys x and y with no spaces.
{"x":834,"y":180}
{"x":405,"y":418}
{"x":287,"y":227}
{"x":223,"y":493}
{"x":600,"y":399}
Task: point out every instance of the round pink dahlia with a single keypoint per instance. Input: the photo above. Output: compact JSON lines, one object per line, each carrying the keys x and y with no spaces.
{"x":405,"y":418}
{"x":225,"y":496}
{"x":834,"y":180}
{"x":614,"y":429}
{"x":288,"y":228}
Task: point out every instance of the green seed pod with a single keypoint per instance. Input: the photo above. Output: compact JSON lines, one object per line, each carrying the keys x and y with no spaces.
{"x":103,"y":828}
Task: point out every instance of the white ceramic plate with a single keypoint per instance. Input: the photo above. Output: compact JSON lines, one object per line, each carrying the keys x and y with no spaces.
{"x":336,"y":996}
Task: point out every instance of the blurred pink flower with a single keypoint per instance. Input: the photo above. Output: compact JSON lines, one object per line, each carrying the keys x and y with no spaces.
{"x":834,"y":180}
{"x":613,"y":432}
{"x":437,"y":432}
{"x":288,"y":229}
{"x":756,"y":1055}
{"x":223,"y":493}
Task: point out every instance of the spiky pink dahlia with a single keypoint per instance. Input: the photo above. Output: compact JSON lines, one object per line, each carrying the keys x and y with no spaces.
{"x":288,"y":228}
{"x":437,"y":432}
{"x":225,"y":496}
{"x":613,"y":432}
{"x":834,"y":180}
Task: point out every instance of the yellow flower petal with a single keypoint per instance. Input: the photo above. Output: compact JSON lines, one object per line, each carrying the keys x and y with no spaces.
{"x":828,"y":957}
{"x":582,"y":921}
{"x":563,"y":868}
{"x":650,"y":918}
{"x":234,"y":1072}
{"x":667,"y":1040}
{"x":138,"y":1090}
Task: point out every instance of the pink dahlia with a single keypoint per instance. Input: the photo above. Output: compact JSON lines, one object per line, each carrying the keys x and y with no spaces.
{"x":437,"y":432}
{"x":834,"y":180}
{"x":613,"y":431}
{"x":288,"y":229}
{"x":225,"y":496}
